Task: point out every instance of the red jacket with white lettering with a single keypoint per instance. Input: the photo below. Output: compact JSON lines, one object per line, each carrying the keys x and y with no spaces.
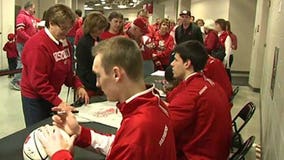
{"x":201,"y":119}
{"x":215,"y":70}
{"x":145,"y":132}
{"x":25,"y":26}
{"x":47,"y":66}
{"x":164,"y":46}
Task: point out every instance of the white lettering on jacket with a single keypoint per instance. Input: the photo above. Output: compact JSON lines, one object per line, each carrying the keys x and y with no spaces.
{"x":164,"y":135}
{"x":61,"y":55}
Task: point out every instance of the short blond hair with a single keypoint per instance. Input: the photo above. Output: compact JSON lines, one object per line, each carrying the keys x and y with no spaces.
{"x":122,"y":52}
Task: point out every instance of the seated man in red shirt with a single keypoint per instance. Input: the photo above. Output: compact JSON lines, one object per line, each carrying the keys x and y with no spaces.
{"x":199,"y":112}
{"x":145,"y":131}
{"x":215,"y":70}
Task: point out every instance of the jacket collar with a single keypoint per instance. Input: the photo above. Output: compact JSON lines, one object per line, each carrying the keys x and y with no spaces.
{"x":132,"y":103}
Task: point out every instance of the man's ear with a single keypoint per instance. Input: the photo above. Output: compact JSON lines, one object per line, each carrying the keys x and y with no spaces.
{"x":187,"y":64}
{"x":117,"y":73}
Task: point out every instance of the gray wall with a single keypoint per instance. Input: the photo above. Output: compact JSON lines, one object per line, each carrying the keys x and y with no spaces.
{"x":242,"y":18}
{"x":272,"y":110}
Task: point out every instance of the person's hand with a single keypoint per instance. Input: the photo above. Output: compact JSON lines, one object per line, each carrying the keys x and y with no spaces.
{"x":66,"y":121}
{"x":82,"y":93}
{"x":52,"y":140}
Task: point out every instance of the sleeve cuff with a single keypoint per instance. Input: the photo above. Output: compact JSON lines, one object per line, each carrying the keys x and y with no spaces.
{"x":56,"y":101}
{"x":78,"y":83}
{"x":84,"y":139}
{"x":62,"y":155}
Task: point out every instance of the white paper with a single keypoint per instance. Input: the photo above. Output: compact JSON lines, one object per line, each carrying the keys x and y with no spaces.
{"x":158,"y":73}
{"x":102,"y":112}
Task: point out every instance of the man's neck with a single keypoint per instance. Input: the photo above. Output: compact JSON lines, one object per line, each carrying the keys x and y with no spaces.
{"x":112,"y":31}
{"x":185,"y":26}
{"x":132,"y":89}
{"x":188,"y":74}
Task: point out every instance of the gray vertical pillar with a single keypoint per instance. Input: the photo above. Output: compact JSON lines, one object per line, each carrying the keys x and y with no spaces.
{"x":158,"y":11}
{"x":183,"y":5}
{"x":259,"y":43}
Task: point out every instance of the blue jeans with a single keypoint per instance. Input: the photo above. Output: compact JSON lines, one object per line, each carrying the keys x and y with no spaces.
{"x":35,"y":110}
{"x":18,"y":76}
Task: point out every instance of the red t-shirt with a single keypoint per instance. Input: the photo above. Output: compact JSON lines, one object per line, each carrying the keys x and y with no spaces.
{"x":201,"y":119}
{"x":11,"y":49}
{"x":145,"y":132}
{"x":47,"y":66}
{"x":107,"y":35}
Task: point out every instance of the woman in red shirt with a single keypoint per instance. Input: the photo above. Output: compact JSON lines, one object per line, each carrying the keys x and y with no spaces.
{"x":47,"y":62}
{"x":115,"y":26}
{"x":164,"y":44}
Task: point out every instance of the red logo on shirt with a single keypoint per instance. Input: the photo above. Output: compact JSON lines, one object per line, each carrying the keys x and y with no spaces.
{"x":61,"y":55}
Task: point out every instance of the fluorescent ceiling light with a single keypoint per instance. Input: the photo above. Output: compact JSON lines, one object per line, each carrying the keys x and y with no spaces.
{"x":121,"y":6}
{"x":103,"y":2}
{"x":131,"y":3}
{"x":107,"y":7}
{"x":135,"y":1}
{"x":88,"y":8}
{"x":97,"y":4}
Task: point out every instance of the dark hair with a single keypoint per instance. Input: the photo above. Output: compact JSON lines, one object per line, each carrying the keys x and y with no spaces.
{"x":124,"y":53}
{"x":113,"y":15}
{"x":59,"y":14}
{"x":193,"y":17}
{"x":28,"y":5}
{"x":200,"y":20}
{"x":194,"y":51}
{"x":78,"y":12}
{"x":222,"y":23}
{"x":228,"y":26}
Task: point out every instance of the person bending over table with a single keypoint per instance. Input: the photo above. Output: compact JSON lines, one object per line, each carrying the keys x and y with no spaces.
{"x":94,"y":25}
{"x":145,"y":131}
{"x":199,"y":108}
{"x":47,"y":64}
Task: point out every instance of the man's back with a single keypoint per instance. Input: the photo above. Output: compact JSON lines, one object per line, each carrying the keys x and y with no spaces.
{"x":201,"y":119}
{"x":145,"y":131}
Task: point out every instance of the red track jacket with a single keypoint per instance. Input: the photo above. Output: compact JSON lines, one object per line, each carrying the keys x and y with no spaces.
{"x":25,"y":26}
{"x":47,"y":66}
{"x":201,"y":119}
{"x":215,"y":70}
{"x":211,"y":41}
{"x":11,"y":49}
{"x":145,"y":132}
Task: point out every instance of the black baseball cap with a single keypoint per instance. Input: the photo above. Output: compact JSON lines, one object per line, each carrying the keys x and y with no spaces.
{"x":185,"y":12}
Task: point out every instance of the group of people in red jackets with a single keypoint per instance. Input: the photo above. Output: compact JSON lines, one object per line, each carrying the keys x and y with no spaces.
{"x":193,"y":122}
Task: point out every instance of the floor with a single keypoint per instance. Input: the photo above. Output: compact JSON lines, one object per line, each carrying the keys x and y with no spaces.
{"x":12,"y":120}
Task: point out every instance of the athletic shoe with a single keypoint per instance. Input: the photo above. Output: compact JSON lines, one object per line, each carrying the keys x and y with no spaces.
{"x":15,"y":86}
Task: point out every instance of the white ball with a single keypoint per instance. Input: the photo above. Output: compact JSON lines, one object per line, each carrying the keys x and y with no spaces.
{"x":33,"y":149}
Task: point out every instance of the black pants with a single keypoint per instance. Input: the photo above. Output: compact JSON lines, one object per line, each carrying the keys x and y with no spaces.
{"x":229,"y":69}
{"x":35,"y":110}
{"x":12,"y":62}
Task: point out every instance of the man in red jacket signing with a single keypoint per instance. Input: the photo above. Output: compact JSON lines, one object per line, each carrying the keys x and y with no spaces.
{"x":145,"y":132}
{"x":199,"y":108}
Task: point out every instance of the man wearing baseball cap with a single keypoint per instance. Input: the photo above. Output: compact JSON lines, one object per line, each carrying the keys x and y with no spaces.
{"x":136,"y":31}
{"x":187,"y":30}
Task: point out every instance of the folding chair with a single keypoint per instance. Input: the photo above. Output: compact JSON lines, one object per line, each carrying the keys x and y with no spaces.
{"x":245,"y":115}
{"x":235,"y":92}
{"x":243,"y":150}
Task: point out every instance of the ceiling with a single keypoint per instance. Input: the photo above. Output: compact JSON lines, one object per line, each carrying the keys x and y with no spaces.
{"x":113,"y":4}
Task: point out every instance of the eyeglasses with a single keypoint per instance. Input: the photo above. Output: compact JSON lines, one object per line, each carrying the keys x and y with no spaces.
{"x":64,"y":28}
